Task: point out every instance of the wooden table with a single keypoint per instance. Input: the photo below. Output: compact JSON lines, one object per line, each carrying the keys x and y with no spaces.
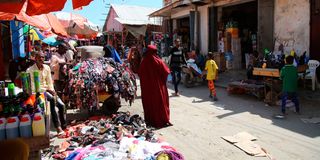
{"x":268,"y":74}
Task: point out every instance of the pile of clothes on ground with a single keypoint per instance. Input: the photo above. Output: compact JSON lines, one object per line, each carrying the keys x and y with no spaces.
{"x":91,"y":76}
{"x":123,"y":136}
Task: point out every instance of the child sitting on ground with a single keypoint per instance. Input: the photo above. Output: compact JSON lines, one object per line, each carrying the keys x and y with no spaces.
{"x":212,"y":73}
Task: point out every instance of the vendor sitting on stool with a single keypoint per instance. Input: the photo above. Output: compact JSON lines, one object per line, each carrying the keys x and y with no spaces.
{"x":46,"y":85}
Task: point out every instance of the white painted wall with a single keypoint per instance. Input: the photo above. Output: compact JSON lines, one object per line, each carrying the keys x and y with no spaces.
{"x":204,"y":29}
{"x":292,"y":25}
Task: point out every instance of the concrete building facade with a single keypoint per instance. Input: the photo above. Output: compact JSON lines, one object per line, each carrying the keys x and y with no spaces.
{"x":285,"y":22}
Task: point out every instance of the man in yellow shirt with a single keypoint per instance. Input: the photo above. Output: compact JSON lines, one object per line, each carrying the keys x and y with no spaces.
{"x":212,"y":74}
{"x":46,"y":85}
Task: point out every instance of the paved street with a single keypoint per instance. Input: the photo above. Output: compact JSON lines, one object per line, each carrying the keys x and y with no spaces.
{"x":199,"y":123}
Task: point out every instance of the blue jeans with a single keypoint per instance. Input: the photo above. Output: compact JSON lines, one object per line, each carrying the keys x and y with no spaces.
{"x":294,"y":99}
{"x":176,"y":74}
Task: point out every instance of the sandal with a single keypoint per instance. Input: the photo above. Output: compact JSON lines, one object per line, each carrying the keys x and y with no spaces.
{"x":59,"y":156}
{"x":62,"y":135}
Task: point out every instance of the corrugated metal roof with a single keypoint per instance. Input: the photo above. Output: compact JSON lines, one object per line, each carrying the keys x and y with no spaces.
{"x":135,"y":15}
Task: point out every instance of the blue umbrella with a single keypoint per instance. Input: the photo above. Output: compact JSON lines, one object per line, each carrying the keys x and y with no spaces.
{"x":52,"y":41}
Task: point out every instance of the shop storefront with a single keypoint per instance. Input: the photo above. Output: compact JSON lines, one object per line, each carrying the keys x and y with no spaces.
{"x":182,"y":20}
{"x":240,"y":28}
{"x":237,"y":31}
{"x":182,"y":31}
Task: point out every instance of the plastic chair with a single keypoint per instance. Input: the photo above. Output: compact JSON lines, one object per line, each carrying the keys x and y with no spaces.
{"x":311,"y":72}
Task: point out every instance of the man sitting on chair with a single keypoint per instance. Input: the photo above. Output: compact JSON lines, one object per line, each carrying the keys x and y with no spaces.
{"x":46,"y":85}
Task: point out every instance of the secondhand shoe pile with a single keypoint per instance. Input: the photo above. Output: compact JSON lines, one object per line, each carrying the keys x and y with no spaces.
{"x":118,"y":138}
{"x":91,"y":76}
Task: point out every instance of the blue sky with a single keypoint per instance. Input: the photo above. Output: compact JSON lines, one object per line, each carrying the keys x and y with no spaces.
{"x":97,"y":11}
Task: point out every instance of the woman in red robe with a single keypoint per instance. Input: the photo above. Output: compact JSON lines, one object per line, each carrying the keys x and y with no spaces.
{"x":153,"y":75}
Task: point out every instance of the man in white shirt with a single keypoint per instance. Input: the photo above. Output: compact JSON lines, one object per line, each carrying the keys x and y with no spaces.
{"x":46,"y":85}
{"x":69,"y":56}
{"x":58,"y":61}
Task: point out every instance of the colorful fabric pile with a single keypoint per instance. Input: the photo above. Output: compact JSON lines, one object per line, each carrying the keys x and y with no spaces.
{"x":103,"y":74}
{"x":123,"y":136}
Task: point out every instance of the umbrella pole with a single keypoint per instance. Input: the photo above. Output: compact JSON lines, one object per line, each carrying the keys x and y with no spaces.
{"x":28,"y":40}
{"x":122,"y":38}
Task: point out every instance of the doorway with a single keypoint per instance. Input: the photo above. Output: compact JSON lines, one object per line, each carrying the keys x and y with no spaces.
{"x":183,"y":32}
{"x":243,"y":17}
{"x":314,"y":30}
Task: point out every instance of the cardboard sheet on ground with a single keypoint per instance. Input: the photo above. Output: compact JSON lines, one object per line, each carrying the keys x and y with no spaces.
{"x":242,"y":136}
{"x":244,"y":141}
{"x":314,"y":120}
{"x":251,"y":148}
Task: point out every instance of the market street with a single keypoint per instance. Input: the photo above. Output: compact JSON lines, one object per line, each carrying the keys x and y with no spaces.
{"x":198,"y":124}
{"x":160,"y":80}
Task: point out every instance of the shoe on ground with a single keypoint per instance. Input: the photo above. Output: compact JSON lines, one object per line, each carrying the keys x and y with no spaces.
{"x":215,"y":99}
{"x":280,"y":116}
{"x":168,"y":124}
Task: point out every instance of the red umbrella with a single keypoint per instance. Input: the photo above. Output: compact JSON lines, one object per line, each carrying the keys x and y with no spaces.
{"x":13,"y":6}
{"x":77,"y":25}
{"x":37,"y":7}
{"x":46,"y":22}
{"x":77,"y":4}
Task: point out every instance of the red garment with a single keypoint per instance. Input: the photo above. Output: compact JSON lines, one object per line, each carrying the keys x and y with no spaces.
{"x":155,"y":99}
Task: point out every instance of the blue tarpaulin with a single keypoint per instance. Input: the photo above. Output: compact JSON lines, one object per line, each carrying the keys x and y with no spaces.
{"x":17,"y":39}
{"x":52,"y":41}
{"x":115,"y":56}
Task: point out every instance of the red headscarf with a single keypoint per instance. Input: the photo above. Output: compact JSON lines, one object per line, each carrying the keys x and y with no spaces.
{"x":152,"y":49}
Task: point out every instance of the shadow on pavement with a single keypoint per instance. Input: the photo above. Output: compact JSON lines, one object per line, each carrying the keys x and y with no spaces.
{"x":245,"y":103}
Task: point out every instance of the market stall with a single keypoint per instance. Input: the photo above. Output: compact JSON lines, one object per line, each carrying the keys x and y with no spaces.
{"x":265,"y":81}
{"x":237,"y":33}
{"x":24,"y":115}
{"x":121,"y":136}
{"x":97,"y":80}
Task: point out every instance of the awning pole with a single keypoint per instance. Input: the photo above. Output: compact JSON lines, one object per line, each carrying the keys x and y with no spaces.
{"x":28,"y":39}
{"x":122,"y":38}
